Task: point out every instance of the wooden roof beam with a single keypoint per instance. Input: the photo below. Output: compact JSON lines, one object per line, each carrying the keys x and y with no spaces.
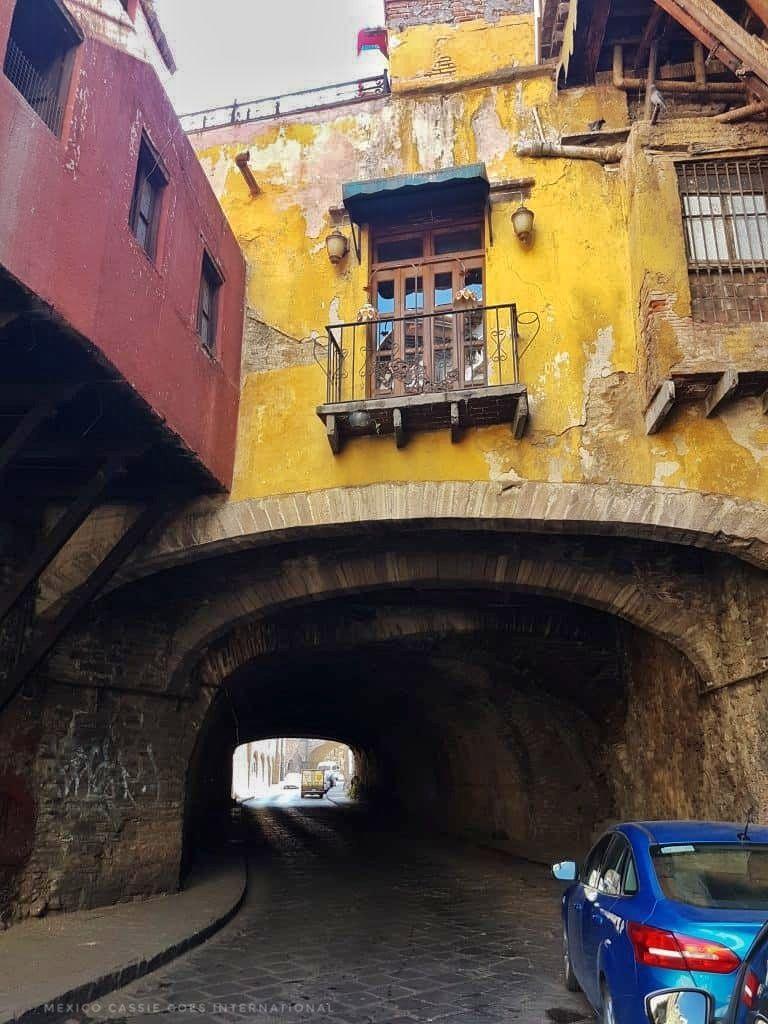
{"x":744,"y":54}
{"x":595,"y":36}
{"x":760,"y":8}
{"x":651,"y":31}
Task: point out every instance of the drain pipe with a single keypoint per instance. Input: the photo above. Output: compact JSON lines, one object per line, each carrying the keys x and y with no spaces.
{"x":601,"y":154}
{"x":741,"y":113}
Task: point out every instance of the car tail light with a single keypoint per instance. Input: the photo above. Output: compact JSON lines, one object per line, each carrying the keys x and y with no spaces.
{"x":749,"y":990}
{"x":659,"y":948}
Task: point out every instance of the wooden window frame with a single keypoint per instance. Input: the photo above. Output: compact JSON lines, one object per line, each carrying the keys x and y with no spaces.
{"x":151,"y":175}
{"x":427,"y":267}
{"x":211,"y":279}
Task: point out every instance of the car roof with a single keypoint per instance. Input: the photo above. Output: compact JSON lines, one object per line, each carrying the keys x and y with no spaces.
{"x":694,"y":831}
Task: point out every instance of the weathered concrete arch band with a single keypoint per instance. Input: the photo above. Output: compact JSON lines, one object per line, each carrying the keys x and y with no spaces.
{"x":385,"y":198}
{"x":211,"y":528}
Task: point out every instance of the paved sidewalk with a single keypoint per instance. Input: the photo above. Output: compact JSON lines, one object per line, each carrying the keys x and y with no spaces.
{"x":71,"y":959}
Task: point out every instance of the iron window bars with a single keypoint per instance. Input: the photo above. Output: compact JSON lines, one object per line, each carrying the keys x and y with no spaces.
{"x":725,"y":219}
{"x":41,"y":93}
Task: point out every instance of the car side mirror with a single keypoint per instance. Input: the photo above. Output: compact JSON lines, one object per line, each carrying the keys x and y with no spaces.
{"x":565,"y":871}
{"x":688,"y":1004}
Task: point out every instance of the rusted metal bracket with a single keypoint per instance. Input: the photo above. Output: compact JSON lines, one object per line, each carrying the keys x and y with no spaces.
{"x":357,"y":240}
{"x":243,"y":163}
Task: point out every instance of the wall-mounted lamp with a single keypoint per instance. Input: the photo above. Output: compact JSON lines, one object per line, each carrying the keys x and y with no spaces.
{"x":522,"y":222}
{"x":337,"y":246}
{"x":242,"y":160}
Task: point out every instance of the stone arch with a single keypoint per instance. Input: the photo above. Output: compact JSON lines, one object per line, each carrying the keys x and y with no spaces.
{"x":212,"y":527}
{"x":667,"y":606}
{"x":260,"y":638}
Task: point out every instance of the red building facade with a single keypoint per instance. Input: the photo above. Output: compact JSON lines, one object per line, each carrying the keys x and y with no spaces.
{"x":159,"y":304}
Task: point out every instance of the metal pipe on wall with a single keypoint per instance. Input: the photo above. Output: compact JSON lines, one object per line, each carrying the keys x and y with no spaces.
{"x":600,"y":154}
{"x":742,"y":113}
{"x":671,"y":84}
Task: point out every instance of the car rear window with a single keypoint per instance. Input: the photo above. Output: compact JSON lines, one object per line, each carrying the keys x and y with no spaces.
{"x":714,"y":874}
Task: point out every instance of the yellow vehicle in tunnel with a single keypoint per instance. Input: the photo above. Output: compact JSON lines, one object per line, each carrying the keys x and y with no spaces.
{"x":312,"y":783}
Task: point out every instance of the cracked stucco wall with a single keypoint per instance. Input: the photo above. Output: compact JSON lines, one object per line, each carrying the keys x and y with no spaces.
{"x":605,"y":276}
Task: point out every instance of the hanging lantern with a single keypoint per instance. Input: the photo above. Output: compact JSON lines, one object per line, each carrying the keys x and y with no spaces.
{"x":337,"y":246}
{"x":522,"y":222}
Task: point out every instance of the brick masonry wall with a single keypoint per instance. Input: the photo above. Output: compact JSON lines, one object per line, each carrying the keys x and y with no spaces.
{"x":406,"y":13}
{"x":107,"y":774}
{"x":682,"y":753}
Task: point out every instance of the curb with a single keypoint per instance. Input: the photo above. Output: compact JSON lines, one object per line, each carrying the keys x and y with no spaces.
{"x":89,"y":991}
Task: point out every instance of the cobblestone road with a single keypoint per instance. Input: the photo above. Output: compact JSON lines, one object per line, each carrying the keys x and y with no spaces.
{"x":347,"y":922}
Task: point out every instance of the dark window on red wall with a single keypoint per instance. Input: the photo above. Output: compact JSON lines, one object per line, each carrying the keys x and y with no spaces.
{"x":208,"y":302}
{"x":129,"y":6}
{"x":39,"y":57}
{"x":147,"y":198}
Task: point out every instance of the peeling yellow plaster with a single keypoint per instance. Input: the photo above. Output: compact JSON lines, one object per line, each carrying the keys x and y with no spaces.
{"x":606,"y":239}
{"x":466,"y":50}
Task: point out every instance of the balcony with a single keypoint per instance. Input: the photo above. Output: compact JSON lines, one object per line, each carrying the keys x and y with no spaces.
{"x":447,"y":370}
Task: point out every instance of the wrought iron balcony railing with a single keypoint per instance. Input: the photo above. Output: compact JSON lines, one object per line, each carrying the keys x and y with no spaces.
{"x":422,"y":353}
{"x":452,"y":369}
{"x":41,"y":94}
{"x":341,"y":93}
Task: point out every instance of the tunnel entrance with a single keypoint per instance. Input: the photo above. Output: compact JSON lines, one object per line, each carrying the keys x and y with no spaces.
{"x":512,"y":719}
{"x":519,"y":690}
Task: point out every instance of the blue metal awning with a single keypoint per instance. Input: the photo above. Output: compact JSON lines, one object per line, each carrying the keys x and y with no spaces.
{"x":392,"y":198}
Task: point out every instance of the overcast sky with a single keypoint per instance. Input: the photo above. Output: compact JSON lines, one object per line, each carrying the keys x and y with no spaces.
{"x":246,"y":49}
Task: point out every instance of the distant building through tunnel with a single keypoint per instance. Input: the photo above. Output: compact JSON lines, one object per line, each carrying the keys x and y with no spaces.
{"x":259,"y":767}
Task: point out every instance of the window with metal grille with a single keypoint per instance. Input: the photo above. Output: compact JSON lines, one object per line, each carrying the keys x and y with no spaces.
{"x":208,"y":303}
{"x":39,"y":57}
{"x":147,"y":198}
{"x":725,"y":216}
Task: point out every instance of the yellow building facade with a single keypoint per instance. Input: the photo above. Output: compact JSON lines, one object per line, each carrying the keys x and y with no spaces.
{"x":601,"y":291}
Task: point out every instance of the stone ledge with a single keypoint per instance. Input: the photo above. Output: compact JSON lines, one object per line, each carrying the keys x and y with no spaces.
{"x":439,"y":410}
{"x":112,"y":946}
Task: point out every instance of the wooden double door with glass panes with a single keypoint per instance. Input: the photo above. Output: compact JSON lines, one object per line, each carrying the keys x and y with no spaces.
{"x":420,"y":341}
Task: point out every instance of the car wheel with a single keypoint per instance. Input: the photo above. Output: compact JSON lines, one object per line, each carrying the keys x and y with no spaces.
{"x":568,"y":976}
{"x":607,"y":1009}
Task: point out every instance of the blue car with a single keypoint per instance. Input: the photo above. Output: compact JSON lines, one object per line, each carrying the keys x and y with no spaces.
{"x":662,"y":905}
